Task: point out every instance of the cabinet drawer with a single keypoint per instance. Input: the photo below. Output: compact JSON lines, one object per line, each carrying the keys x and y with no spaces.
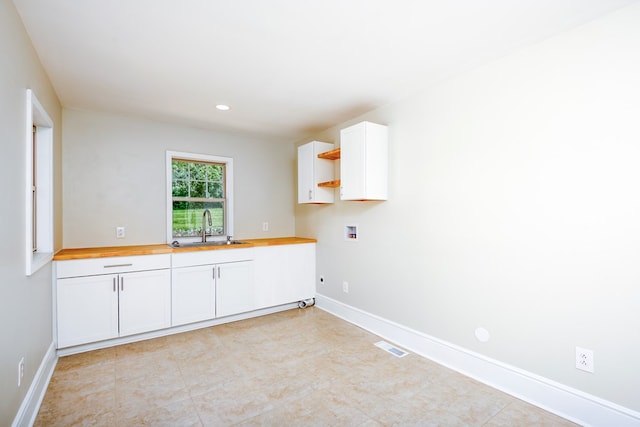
{"x":215,"y":256}
{"x":95,"y":266}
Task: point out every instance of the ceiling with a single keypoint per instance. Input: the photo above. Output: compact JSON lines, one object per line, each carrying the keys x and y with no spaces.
{"x":287,"y":68}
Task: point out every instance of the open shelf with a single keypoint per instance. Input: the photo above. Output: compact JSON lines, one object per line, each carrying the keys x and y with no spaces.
{"x":331,"y":154}
{"x":332,"y":184}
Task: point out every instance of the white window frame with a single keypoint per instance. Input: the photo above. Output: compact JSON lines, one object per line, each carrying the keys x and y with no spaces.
{"x":42,"y":254}
{"x":228,"y":217}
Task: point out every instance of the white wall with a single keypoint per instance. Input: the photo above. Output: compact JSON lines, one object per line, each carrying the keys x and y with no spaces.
{"x":25,"y":302}
{"x":514,"y":205}
{"x":114,"y":175}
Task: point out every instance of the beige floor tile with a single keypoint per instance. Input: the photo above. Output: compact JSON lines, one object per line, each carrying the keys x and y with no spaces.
{"x":135,"y":364}
{"x":286,"y":381}
{"x":231,"y":404}
{"x":522,"y":414}
{"x":104,"y":356}
{"x":150,"y":391}
{"x":297,"y":367}
{"x":207,"y":377}
{"x":180,"y":413}
{"x":321,"y":408}
{"x":75,"y":409}
{"x":80,"y":384}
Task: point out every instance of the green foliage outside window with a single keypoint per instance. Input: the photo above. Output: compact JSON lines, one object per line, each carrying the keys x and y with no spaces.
{"x":197,"y":186}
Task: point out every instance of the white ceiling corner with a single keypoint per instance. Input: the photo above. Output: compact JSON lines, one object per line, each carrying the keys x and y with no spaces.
{"x":287,"y":68}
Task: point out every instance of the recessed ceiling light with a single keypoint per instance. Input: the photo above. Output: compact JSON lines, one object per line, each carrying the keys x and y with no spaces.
{"x":223,"y":107}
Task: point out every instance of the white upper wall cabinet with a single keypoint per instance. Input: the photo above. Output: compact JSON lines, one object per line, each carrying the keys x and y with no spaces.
{"x":313,"y":171}
{"x":363,"y":164}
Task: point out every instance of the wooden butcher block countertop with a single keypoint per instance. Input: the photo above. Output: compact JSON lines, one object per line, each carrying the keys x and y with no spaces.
{"x":111,"y":251}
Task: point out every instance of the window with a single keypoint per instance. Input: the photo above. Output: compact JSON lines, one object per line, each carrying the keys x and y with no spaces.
{"x":39,"y":186}
{"x":197,"y":183}
{"x":34,"y":188}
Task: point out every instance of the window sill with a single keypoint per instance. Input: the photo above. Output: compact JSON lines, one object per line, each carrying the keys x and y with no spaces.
{"x":37,"y":261}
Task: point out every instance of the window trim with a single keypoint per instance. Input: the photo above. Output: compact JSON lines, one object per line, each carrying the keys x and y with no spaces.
{"x":38,"y":225}
{"x":228,"y":217}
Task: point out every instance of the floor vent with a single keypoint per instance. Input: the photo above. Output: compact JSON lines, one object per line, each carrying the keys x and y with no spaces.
{"x":391,"y":349}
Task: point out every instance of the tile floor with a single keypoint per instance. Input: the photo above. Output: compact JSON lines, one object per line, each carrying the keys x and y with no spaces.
{"x":294,"y":368}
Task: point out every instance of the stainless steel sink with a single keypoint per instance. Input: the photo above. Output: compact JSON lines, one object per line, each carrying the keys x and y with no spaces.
{"x":211,"y":243}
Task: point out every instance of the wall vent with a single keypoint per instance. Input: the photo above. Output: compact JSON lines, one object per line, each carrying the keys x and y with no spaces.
{"x":391,"y":349}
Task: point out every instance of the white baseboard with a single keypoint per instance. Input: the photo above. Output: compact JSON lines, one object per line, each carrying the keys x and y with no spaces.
{"x":28,"y":411}
{"x":562,"y":400}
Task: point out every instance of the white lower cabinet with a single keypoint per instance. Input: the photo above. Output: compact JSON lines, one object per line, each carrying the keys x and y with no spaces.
{"x":144,"y":301}
{"x":209,"y":284}
{"x":105,"y":298}
{"x":87,"y":310}
{"x":193,"y":294}
{"x":235,"y":288}
{"x":284,"y":274}
{"x":99,"y":306}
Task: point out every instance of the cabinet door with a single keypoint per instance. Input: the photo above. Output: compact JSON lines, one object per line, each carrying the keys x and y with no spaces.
{"x":305,"y":173}
{"x":352,"y":167}
{"x":284,"y":274}
{"x":312,"y":170}
{"x":302,"y":270}
{"x":363,"y":162}
{"x":193,"y":294}
{"x":235,"y":288}
{"x":145,"y":301}
{"x":87,"y":309}
{"x":270,"y":270}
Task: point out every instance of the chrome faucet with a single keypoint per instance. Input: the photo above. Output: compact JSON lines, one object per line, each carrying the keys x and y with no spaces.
{"x":206,"y":213}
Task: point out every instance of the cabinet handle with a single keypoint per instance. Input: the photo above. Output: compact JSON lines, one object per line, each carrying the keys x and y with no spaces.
{"x":114,"y":284}
{"x":214,"y":272}
{"x":118,"y":265}
{"x":310,"y":194}
{"x":122,"y":283}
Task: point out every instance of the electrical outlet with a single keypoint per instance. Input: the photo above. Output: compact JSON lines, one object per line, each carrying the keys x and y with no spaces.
{"x":584,"y":359}
{"x":265,"y":226}
{"x":119,"y":232}
{"x":345,"y":287}
{"x":20,"y":371}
